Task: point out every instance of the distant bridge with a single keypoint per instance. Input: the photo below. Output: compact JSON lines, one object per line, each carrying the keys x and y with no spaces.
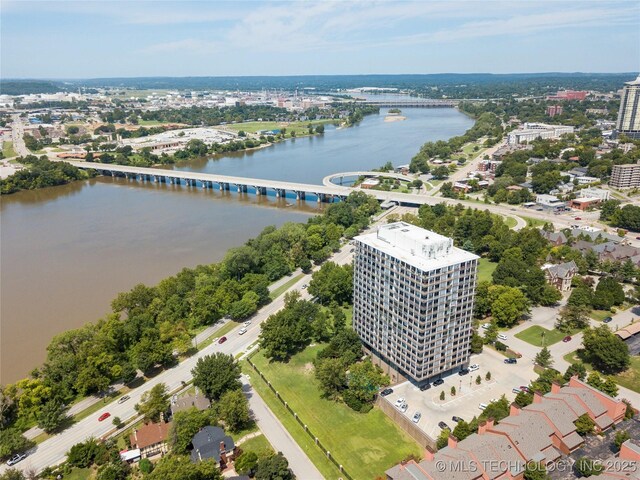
{"x":322,"y":193}
{"x":417,"y":103}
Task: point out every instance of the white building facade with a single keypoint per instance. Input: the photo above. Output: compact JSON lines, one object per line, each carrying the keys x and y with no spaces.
{"x":413,"y":301}
{"x":629,"y":113}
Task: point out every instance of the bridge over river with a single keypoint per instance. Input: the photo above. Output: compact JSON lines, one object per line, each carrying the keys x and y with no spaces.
{"x":323,"y":193}
{"x":417,"y":103}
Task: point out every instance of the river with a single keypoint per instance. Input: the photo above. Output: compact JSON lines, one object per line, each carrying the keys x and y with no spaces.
{"x":67,"y":251}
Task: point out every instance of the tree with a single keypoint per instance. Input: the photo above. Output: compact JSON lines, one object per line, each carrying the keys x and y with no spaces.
{"x":608,"y":208}
{"x":610,"y":387}
{"x":544,"y":358}
{"x":154,"y":403}
{"x":246,"y":463}
{"x":330,"y":373}
{"x":12,"y":474}
{"x":584,"y":425}
{"x":573,"y":317}
{"x":453,"y":391}
{"x":523,"y":399}
{"x":145,"y":466}
{"x":608,"y":292}
{"x":12,"y":442}
{"x":487,"y":377}
{"x":332,"y":283}
{"x":179,"y":467}
{"x":620,"y":438}
{"x":576,"y":369}
{"x":52,"y":416}
{"x":605,"y":350}
{"x":185,"y":424}
{"x":535,"y":471}
{"x":476,"y":343}
{"x":509,"y":305}
{"x":443,"y":439}
{"x":116,"y":470}
{"x":586,"y":467}
{"x":216,"y":374}
{"x":245,"y":307}
{"x":439,"y":173}
{"x":275,"y":467}
{"x":364,"y":380}
{"x":289,"y":330}
{"x":442,"y":395}
{"x":233,"y":408}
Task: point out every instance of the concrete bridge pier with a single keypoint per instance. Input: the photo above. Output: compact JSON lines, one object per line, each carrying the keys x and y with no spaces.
{"x":261,"y":190}
{"x":321,"y":197}
{"x":281,"y":192}
{"x":242,"y":188}
{"x":300,"y":195}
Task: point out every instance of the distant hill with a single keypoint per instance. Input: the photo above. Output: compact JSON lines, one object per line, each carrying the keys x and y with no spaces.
{"x":480,"y":83}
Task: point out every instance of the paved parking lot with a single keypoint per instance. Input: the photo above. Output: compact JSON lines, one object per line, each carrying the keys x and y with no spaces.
{"x":469,"y":395}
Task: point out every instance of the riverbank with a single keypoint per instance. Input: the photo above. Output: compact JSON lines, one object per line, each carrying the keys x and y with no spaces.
{"x":394,"y":118}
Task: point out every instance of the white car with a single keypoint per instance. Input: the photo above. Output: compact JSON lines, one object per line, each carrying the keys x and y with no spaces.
{"x":399,"y":402}
{"x":304,"y":286}
{"x":486,"y":326}
{"x":474,"y":367}
{"x":404,"y":407}
{"x":242,"y":331}
{"x":502,"y":336}
{"x":247,"y":323}
{"x":416,"y":417}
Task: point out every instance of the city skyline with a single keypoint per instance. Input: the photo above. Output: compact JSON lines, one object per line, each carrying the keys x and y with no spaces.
{"x":101,"y":39}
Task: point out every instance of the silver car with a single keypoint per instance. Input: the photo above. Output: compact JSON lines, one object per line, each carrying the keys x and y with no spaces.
{"x":416,"y":417}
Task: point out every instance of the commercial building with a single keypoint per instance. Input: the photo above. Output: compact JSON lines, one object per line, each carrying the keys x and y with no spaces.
{"x":629,"y":113}
{"x":541,"y":432}
{"x":553,"y":110}
{"x":569,"y":95}
{"x":550,"y":202}
{"x":625,"y":176}
{"x":413,"y":301}
{"x":533,"y":131}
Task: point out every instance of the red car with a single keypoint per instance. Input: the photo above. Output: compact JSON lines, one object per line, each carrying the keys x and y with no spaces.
{"x":566,"y":339}
{"x":578,"y":218}
{"x":525,"y":388}
{"x":104,"y":416}
{"x":222,"y":339}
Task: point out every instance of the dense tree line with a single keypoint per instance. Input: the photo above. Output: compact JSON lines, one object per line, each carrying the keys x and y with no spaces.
{"x":41,"y":173}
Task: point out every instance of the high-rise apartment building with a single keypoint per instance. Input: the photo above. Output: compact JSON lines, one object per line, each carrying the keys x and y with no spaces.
{"x":629,"y":113}
{"x":413,"y":301}
{"x":625,"y":176}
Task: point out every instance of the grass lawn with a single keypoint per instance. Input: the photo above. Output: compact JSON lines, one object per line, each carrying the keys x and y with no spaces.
{"x":629,"y":379}
{"x":7,"y":150}
{"x":533,"y":335}
{"x":284,"y":287}
{"x":600,"y":315}
{"x":485,"y":269}
{"x":532,"y":222}
{"x":258,"y":445}
{"x":366,"y":444}
{"x":299,"y":127}
{"x":80,"y":474}
{"x":510,"y":222}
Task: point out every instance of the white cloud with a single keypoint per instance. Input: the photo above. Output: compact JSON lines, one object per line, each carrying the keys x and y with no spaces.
{"x":190,"y":46}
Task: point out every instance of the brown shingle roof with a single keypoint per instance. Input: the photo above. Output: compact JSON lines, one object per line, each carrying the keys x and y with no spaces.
{"x":150,"y":434}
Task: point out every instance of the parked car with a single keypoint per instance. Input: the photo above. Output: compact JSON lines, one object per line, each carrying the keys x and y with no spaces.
{"x":304,"y":286}
{"x":386,"y":391}
{"x":247,"y":323}
{"x":482,"y":406}
{"x":516,"y":390}
{"x":474,"y":367}
{"x":222,"y":339}
{"x":464,"y":371}
{"x":123,"y":399}
{"x":456,"y":419}
{"x":567,"y":339}
{"x":608,"y":320}
{"x":424,"y":387}
{"x":404,"y":407}
{"x":502,"y":336}
{"x":16,"y":458}
{"x":524,"y":388}
{"x":242,"y":331}
{"x":104,"y":416}
{"x":438,"y":382}
{"x":443,"y":425}
{"x":486,"y":326}
{"x":578,"y":218}
{"x":416,"y":417}
{"x":399,"y":402}
{"x":510,"y":360}
{"x":637,"y":238}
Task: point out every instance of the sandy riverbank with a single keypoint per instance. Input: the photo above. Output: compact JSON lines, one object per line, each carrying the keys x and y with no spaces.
{"x":394,"y":118}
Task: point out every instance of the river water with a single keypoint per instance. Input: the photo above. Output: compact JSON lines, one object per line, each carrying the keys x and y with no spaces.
{"x":66,"y":252}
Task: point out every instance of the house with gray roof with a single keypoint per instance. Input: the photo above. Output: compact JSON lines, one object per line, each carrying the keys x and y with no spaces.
{"x":560,"y":275}
{"x":212,"y":443}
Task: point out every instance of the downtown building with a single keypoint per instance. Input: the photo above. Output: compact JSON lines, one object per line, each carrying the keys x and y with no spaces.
{"x":413,"y":301}
{"x":629,"y":114}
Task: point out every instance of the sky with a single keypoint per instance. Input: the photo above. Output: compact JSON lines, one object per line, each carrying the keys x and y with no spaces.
{"x":69,"y":39}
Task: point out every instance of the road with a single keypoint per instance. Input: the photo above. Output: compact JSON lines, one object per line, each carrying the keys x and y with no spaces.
{"x":279,"y":437}
{"x":18,"y":134}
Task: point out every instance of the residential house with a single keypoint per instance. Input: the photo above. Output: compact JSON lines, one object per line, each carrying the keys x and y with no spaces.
{"x":555,"y":238}
{"x":198,"y":401}
{"x":151,"y":439}
{"x":560,"y":276}
{"x":212,"y":443}
{"x":542,"y":432}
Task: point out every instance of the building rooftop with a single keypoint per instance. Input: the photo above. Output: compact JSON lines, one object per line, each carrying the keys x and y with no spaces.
{"x":416,"y":246}
{"x":150,"y":434}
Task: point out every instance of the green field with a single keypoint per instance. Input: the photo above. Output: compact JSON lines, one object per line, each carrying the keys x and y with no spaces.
{"x":299,"y":127}
{"x":366,"y":444}
{"x":629,"y":379}
{"x":532,"y":222}
{"x":510,"y":222}
{"x":7,"y":150}
{"x":485,"y":270}
{"x":284,"y":287}
{"x":533,"y":335}
{"x":258,"y":445}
